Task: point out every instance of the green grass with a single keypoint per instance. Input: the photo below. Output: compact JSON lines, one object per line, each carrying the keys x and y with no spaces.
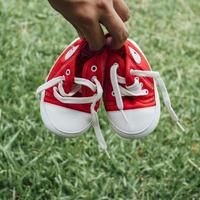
{"x":35,"y":164}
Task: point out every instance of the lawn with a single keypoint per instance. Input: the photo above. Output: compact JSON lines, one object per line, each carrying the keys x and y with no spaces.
{"x":35,"y":164}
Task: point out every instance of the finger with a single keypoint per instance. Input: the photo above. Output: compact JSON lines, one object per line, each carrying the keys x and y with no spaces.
{"x":57,"y":5}
{"x":78,"y":30}
{"x":94,"y":35}
{"x":122,"y":9}
{"x":116,"y":28}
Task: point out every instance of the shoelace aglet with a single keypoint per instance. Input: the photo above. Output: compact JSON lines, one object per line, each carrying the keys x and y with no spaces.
{"x":180,"y":126}
{"x":122,"y":111}
{"x":37,"y":95}
{"x":107,"y":153}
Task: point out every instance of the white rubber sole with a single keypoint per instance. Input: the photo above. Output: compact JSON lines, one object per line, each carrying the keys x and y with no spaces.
{"x":62,"y":121}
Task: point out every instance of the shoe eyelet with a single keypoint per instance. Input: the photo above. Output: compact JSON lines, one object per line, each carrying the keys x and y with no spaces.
{"x":137,"y":78}
{"x":131,"y":71}
{"x":93,"y":78}
{"x":116,"y":64}
{"x":68,"y":72}
{"x":94,"y":68}
{"x":113,"y":93}
{"x":141,"y":84}
{"x":146,"y":91}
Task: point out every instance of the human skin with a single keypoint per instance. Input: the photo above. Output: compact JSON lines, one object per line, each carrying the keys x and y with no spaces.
{"x":88,"y":16}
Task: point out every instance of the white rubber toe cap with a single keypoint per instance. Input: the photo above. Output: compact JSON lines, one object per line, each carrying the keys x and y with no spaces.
{"x":138,"y":122}
{"x":64,"y":121}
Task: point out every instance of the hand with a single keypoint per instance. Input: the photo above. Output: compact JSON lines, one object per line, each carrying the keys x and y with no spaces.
{"x":87,"y":15}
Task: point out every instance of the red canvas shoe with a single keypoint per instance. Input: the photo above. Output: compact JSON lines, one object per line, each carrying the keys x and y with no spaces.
{"x":70,"y":96}
{"x":131,"y":98}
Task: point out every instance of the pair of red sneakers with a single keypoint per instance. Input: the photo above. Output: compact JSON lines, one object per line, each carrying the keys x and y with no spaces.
{"x":79,"y":78}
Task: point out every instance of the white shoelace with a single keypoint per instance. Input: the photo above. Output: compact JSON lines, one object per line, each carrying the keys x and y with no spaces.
{"x":136,"y":89}
{"x":64,"y":97}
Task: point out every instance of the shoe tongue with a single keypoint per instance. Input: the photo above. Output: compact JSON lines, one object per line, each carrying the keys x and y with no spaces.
{"x":133,"y":59}
{"x":125,"y":63}
{"x":86,"y":64}
{"x":85,"y":55}
{"x":86,"y":52}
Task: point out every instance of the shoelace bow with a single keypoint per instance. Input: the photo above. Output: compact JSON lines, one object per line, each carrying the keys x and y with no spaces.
{"x":62,"y":96}
{"x":136,"y":89}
